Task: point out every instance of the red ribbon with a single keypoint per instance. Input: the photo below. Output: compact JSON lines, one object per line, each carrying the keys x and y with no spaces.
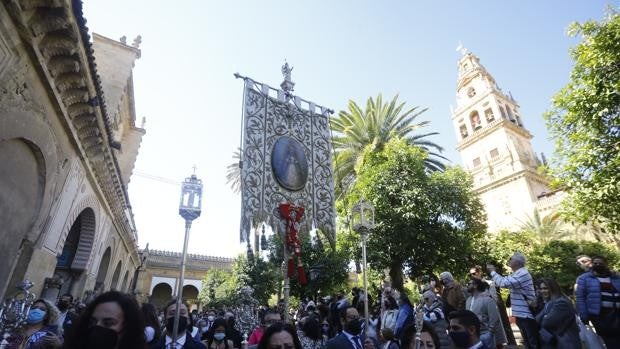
{"x":293,"y":214}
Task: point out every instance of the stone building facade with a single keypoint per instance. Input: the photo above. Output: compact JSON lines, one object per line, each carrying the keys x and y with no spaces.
{"x":495,"y":147}
{"x":68,"y":142}
{"x":158,"y":278}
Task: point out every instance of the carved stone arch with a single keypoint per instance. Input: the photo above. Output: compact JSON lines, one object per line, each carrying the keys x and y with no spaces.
{"x":102,"y":270}
{"x":22,"y":188}
{"x":116,"y":276}
{"x":87,"y":208}
{"x":123,"y":287}
{"x":33,"y":129}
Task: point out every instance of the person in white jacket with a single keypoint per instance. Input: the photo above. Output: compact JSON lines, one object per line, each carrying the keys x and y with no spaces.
{"x":388,"y":318}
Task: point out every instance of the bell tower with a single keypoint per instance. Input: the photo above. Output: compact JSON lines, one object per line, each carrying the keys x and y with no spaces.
{"x":495,"y":147}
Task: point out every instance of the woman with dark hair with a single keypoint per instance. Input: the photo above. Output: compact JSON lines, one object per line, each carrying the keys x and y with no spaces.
{"x":112,"y":321}
{"x":558,"y":327}
{"x":40,"y":331}
{"x":152,"y":331}
{"x":280,"y":335}
{"x":217,"y":336}
{"x":310,"y":335}
{"x":388,"y":318}
{"x":428,"y":337}
{"x":405,"y":315}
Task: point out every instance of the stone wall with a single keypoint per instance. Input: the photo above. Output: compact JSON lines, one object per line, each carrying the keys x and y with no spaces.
{"x":62,"y":200}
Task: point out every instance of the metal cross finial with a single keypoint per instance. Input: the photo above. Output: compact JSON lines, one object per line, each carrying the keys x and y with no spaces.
{"x":194,"y":168}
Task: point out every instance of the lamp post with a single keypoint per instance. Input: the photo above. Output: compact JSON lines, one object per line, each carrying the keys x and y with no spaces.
{"x":189,"y":209}
{"x":363,"y":221}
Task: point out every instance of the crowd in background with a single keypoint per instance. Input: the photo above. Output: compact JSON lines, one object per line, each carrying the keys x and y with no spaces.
{"x":470,"y":314}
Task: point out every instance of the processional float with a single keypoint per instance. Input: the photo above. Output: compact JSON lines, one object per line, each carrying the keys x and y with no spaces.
{"x":286,"y":169}
{"x":14,"y":311}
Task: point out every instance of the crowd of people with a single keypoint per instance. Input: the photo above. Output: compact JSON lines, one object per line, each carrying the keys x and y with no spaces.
{"x":468,"y":315}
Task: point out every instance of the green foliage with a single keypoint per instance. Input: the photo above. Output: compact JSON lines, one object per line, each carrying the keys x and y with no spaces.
{"x":355,"y":129}
{"x":556,"y":259}
{"x":334,"y":263}
{"x":505,"y":243}
{"x":257,"y":273}
{"x":585,"y":122}
{"x":426,"y":221}
{"x":219,"y":287}
{"x":546,"y":229}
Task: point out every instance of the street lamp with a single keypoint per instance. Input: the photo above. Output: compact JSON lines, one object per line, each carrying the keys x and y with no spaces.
{"x":189,"y":209}
{"x":363,"y":221}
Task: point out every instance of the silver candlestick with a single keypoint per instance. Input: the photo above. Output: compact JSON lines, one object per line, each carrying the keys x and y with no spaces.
{"x":246,"y":312}
{"x":14,"y":311}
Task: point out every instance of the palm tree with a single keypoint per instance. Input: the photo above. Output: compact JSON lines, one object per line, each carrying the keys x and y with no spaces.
{"x":355,"y":129}
{"x":546,"y":229}
{"x":233,"y":172}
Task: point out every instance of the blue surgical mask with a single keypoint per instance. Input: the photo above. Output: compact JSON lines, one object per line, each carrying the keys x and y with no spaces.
{"x":35,"y":316}
{"x":219,"y":336}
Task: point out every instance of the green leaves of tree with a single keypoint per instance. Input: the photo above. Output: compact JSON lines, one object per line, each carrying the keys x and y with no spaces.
{"x":585,"y":122}
{"x":426,"y":221}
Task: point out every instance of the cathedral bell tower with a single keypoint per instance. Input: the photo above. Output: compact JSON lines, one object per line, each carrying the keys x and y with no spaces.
{"x":495,"y":147}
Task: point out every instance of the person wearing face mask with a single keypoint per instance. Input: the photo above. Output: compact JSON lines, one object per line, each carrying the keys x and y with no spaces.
{"x":111,"y":321}
{"x":351,"y":335}
{"x":152,"y":331}
{"x":210,"y":319}
{"x":464,"y":330}
{"x":67,"y":316}
{"x":217,"y":337}
{"x":40,"y":329}
{"x":598,"y":300}
{"x":183,"y":338}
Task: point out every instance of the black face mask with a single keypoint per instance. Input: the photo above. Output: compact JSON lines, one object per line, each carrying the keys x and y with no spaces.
{"x":354,"y":327}
{"x":63,"y":305}
{"x":600,"y":269}
{"x":102,"y":338}
{"x":182,"y":324}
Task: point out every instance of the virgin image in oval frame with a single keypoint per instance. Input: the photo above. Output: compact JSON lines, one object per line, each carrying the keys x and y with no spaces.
{"x":289,"y":164}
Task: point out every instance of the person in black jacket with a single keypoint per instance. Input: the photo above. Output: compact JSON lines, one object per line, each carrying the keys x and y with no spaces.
{"x":351,"y":336}
{"x":112,"y":321}
{"x":183,"y":338}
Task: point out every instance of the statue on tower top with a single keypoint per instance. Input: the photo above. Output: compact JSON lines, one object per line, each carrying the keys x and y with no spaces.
{"x":286,"y":71}
{"x":460,"y":48}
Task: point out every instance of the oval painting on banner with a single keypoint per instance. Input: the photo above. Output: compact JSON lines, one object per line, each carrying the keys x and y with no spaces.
{"x":289,"y":163}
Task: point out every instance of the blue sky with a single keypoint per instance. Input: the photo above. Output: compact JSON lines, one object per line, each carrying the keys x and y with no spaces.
{"x":340,"y":50}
